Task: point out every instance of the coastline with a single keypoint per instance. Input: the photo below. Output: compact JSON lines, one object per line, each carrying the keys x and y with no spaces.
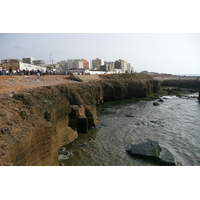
{"x":37,"y":120}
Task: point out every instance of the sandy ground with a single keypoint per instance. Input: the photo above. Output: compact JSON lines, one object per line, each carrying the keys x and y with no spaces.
{"x":15,"y":83}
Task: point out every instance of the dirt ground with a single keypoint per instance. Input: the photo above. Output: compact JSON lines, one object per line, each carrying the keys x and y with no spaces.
{"x":15,"y":83}
{"x":163,"y":78}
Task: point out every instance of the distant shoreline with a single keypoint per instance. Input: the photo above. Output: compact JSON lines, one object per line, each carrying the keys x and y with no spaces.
{"x":194,"y":75}
{"x":174,"y":77}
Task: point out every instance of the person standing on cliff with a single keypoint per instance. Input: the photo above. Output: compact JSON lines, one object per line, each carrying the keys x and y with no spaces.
{"x":38,"y":73}
{"x":10,"y":71}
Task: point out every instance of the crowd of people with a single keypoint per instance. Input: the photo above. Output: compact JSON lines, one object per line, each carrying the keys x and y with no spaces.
{"x":38,"y":72}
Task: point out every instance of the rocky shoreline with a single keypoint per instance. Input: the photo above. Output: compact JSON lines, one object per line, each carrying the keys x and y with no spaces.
{"x":37,"y":121}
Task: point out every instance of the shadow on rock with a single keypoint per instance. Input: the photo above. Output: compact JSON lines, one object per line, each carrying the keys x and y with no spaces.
{"x":151,"y":150}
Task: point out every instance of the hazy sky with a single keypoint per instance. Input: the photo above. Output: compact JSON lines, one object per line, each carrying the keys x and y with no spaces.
{"x":165,"y":53}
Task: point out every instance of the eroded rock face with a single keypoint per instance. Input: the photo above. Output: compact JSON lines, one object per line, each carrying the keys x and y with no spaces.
{"x":35,"y":123}
{"x":181,"y":83}
{"x":152,"y":150}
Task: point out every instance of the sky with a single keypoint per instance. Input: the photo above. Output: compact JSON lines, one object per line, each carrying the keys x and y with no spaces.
{"x":175,"y":53}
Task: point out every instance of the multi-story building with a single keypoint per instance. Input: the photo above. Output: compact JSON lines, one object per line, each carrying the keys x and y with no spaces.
{"x":78,"y":64}
{"x":39,"y":63}
{"x":85,"y":64}
{"x":96,"y":63}
{"x":130,"y":68}
{"x":63,"y":64}
{"x":6,"y":64}
{"x":17,"y":64}
{"x":28,"y":60}
{"x":108,"y":66}
{"x":70,"y":63}
{"x":32,"y":61}
{"x":89,"y":65}
{"x":74,"y":64}
{"x":111,"y":66}
{"x":121,"y":64}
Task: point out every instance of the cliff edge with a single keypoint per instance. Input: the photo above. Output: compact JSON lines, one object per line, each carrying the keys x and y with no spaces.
{"x":36,"y":121}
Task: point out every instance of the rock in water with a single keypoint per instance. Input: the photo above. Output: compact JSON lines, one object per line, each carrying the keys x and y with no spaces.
{"x":152,"y":150}
{"x":156,"y":104}
{"x":160,"y":100}
{"x":63,"y":154}
{"x":167,"y":157}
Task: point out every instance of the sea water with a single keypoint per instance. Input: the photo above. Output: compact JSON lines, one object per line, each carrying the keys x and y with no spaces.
{"x":174,"y":124}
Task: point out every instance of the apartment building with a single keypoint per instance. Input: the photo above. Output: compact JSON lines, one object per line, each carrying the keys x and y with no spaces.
{"x":39,"y":63}
{"x":32,"y":61}
{"x":108,"y":67}
{"x":28,"y":60}
{"x":74,"y":64}
{"x":14,"y":63}
{"x":17,"y":64}
{"x":78,"y":64}
{"x":111,"y":66}
{"x":96,"y":63}
{"x":121,"y":64}
{"x":63,"y":64}
{"x":89,"y":65}
{"x":85,"y":63}
{"x":130,"y":68}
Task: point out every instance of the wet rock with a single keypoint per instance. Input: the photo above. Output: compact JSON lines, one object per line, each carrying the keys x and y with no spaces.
{"x":192,"y":91}
{"x":172,"y":90}
{"x":140,"y":123}
{"x":129,"y":115}
{"x":179,"y":95}
{"x":101,"y":125}
{"x":160,"y":100}
{"x":66,"y":154}
{"x":156,"y":104}
{"x":157,"y":123}
{"x":61,"y":164}
{"x":82,"y":145}
{"x":152,"y":150}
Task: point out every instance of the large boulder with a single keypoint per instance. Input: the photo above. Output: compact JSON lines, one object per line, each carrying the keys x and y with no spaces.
{"x":152,"y":150}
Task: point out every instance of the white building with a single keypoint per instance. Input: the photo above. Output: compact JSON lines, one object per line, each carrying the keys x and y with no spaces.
{"x":130,"y":68}
{"x":121,"y":64}
{"x":89,"y":65}
{"x":78,"y":64}
{"x":110,"y":66}
{"x":24,"y":66}
{"x":28,"y":60}
{"x":96,"y":63}
{"x":74,"y":63}
{"x":39,"y":63}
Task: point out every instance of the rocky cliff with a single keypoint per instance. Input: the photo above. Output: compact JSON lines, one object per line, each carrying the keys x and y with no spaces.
{"x":35,"y":123}
{"x":182,"y":83}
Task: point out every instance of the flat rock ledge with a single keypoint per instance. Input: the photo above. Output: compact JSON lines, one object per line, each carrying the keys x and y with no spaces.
{"x":152,"y":150}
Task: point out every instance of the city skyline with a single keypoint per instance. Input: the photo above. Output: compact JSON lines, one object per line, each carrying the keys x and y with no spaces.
{"x":175,"y":53}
